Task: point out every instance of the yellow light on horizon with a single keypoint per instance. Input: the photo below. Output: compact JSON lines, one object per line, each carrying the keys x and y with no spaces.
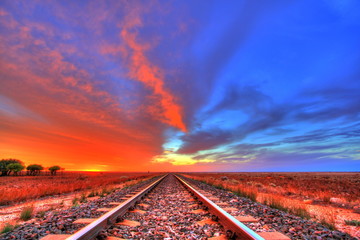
{"x":179,"y":160}
{"x":92,"y":170}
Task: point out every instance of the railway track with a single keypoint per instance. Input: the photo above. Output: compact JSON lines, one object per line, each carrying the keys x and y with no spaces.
{"x":168,"y":208}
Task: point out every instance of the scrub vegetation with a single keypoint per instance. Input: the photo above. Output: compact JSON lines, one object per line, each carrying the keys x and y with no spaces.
{"x":295,"y":192}
{"x":27,"y":213}
{"x":18,"y":189}
{"x":352,"y":222}
{"x":340,"y":189}
{"x":15,"y":167}
{"x":8,"y":228}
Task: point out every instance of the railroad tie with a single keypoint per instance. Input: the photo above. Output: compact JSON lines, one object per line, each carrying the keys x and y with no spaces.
{"x":103,"y":209}
{"x":138,"y":211}
{"x":84,"y":220}
{"x":56,"y":237}
{"x":273,"y":236}
{"x":129,"y":223}
{"x":247,"y":219}
{"x":114,"y":203}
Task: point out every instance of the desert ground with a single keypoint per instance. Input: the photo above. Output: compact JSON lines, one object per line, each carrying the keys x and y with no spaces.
{"x":332,"y":198}
{"x":66,"y":189}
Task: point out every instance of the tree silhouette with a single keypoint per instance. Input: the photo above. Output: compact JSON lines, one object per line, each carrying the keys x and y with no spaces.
{"x":53,"y":169}
{"x":34,"y":169}
{"x":15,"y":168}
{"x":4,"y":164}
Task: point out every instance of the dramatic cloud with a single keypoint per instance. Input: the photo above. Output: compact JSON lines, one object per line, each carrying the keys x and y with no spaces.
{"x":141,"y":69}
{"x":138,"y":86}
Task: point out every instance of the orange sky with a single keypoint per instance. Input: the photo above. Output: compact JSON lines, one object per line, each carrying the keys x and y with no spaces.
{"x":171,"y":86}
{"x":59,"y":113}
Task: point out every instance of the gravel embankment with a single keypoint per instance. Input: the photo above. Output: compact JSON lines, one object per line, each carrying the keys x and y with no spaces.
{"x":272,"y":219}
{"x":170,"y":212}
{"x":61,"y":221}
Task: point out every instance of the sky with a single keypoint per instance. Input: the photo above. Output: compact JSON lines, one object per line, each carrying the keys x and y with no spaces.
{"x":181,"y":85}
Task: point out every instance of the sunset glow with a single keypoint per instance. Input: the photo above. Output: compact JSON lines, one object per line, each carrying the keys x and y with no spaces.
{"x":181,"y":86}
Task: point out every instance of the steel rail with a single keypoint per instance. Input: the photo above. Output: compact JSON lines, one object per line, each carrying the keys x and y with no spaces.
{"x":234,"y":228}
{"x":92,"y":230}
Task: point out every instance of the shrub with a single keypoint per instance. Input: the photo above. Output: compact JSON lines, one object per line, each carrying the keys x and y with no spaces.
{"x":105,"y":191}
{"x":247,"y":194}
{"x":326,"y":199}
{"x":27,"y":213}
{"x":54,"y":169}
{"x":34,"y":169}
{"x":219,"y":186}
{"x":82,"y":178}
{"x":352,"y":222}
{"x":40,"y":214}
{"x":15,"y":168}
{"x":83,"y":198}
{"x":75,"y":201}
{"x":7,"y":228}
{"x":93,"y":194}
{"x":4,"y":165}
{"x":273,"y":203}
{"x":328,"y":224}
{"x":224,"y":178}
{"x":296,"y":210}
{"x":301,"y":212}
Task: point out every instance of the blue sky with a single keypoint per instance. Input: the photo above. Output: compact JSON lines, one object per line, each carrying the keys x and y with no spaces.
{"x":182,"y":86}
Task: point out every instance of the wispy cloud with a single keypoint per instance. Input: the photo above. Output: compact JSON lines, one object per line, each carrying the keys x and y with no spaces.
{"x":212,"y":86}
{"x":77,"y":116}
{"x":142,"y":70}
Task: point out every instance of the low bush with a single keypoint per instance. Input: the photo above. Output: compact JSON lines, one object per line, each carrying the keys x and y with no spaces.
{"x":352,"y":222}
{"x":328,"y":224}
{"x":8,"y":228}
{"x":301,"y":212}
{"x":247,"y":194}
{"x":93,"y":193}
{"x":75,"y":201}
{"x":40,"y":214}
{"x":83,"y":198}
{"x":27,"y":213}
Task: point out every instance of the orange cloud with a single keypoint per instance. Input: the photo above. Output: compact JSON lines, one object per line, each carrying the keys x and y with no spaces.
{"x":142,"y":70}
{"x":61,"y":113}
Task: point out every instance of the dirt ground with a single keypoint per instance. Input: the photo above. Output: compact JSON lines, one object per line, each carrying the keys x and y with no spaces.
{"x":334,"y":197}
{"x":10,"y":214}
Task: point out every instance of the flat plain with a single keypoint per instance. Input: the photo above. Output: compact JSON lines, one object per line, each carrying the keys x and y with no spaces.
{"x":15,"y":189}
{"x":332,"y":198}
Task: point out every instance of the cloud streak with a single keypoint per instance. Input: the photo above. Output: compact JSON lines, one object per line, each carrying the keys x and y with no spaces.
{"x":76,"y":117}
{"x":220,"y":87}
{"x":142,"y":70}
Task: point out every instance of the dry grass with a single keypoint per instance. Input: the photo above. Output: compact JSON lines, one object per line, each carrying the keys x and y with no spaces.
{"x":328,"y":219}
{"x":250,"y":191}
{"x":293,"y":192}
{"x":277,"y":202}
{"x":229,"y":184}
{"x":352,"y":223}
{"x":8,"y":228}
{"x":27,"y":213}
{"x":342,"y":189}
{"x":16,"y":189}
